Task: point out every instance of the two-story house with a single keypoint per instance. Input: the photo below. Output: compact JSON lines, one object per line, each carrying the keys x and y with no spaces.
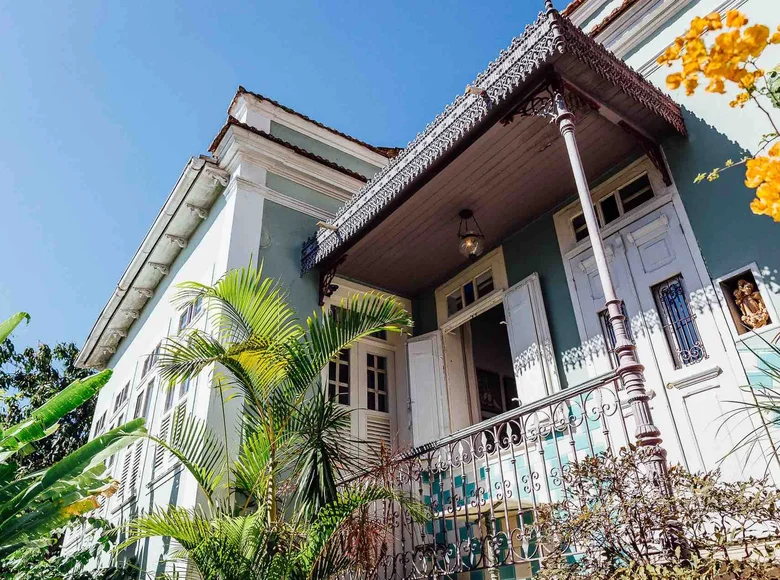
{"x":477,"y":227}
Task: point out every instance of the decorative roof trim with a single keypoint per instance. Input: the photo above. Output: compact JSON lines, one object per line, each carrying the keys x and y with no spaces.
{"x":383,"y":151}
{"x":232,"y":121}
{"x":528,"y":53}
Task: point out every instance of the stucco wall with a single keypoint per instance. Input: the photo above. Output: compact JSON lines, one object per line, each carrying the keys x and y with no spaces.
{"x":284,"y":231}
{"x":323,"y":150}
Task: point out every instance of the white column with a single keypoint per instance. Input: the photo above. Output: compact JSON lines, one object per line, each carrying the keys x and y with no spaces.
{"x":629,"y":369}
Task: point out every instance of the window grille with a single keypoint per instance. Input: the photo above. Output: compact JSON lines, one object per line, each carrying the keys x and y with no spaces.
{"x":376,"y":382}
{"x":338,"y":378}
{"x":679,"y":324}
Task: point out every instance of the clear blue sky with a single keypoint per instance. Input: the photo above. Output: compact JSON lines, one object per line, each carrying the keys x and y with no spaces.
{"x":102,"y":103}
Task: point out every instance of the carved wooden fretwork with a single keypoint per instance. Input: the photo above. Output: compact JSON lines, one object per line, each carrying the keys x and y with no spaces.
{"x":651,"y":149}
{"x":537,"y":47}
{"x":327,"y":287}
{"x":543,"y":103}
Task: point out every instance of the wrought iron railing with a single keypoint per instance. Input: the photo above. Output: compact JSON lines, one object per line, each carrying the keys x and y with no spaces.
{"x":485,"y":484}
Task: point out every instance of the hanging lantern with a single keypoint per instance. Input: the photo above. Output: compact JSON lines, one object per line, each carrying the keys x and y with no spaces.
{"x":472,"y":240}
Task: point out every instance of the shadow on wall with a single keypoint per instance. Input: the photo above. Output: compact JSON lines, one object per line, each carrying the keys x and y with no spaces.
{"x":728,"y":233}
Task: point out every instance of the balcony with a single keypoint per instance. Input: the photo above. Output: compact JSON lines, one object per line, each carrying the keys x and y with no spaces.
{"x":485,"y":484}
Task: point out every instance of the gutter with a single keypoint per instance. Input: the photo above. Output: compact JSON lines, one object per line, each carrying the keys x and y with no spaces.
{"x":173,"y":204}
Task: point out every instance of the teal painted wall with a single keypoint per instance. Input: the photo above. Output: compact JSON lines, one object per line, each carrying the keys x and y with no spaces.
{"x":535,"y":249}
{"x":302,"y":193}
{"x":728,"y":233}
{"x":282,"y":235}
{"x":424,"y":313}
{"x":318,"y":148}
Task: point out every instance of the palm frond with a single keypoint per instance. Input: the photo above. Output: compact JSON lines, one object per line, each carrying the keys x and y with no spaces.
{"x":200,"y":450}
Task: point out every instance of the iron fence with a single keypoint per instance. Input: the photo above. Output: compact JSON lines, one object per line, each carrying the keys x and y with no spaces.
{"x":485,"y":485}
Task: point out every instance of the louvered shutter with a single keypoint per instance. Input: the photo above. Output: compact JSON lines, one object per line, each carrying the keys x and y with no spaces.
{"x":427,"y":389}
{"x":125,"y":477}
{"x":159,"y":452}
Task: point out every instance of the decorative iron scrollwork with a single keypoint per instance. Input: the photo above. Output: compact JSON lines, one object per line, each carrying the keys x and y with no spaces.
{"x":327,"y":287}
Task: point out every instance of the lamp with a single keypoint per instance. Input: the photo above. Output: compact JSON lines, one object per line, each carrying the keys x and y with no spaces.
{"x":472,"y":240}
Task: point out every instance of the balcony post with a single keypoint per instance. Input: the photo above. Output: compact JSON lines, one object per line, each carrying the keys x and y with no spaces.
{"x":629,"y":369}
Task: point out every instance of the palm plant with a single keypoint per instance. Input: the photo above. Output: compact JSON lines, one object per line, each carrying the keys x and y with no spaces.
{"x":760,"y":414}
{"x":35,"y":504}
{"x":272,"y":509}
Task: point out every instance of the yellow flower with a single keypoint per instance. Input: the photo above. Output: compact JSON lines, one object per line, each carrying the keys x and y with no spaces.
{"x":716,"y":86}
{"x":735,"y":19}
{"x":774,"y":151}
{"x":674,"y":81}
{"x":713,"y":21}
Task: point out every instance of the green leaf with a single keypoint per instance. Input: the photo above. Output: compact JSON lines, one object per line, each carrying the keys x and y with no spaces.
{"x":7,"y":327}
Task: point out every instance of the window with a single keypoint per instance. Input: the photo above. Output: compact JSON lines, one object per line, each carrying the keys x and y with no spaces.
{"x":151,"y":360}
{"x":682,"y":335}
{"x":376,"y":382}
{"x":142,"y":401}
{"x":185,"y":385}
{"x":474,"y":289}
{"x":170,"y":393}
{"x":100,"y":425}
{"x":615,"y":204}
{"x":338,"y":378}
{"x":190,"y":313}
{"x":121,"y":397}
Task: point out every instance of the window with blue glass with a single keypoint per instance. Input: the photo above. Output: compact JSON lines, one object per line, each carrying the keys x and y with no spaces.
{"x":678,"y":323}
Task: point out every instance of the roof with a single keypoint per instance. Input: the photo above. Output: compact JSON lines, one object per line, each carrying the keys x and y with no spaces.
{"x":233,"y":122}
{"x":388,"y":152}
{"x":549,"y":38}
{"x":611,"y":17}
{"x":572,"y":6}
{"x":200,"y":184}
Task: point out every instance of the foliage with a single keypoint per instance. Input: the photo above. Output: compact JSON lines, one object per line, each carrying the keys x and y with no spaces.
{"x":44,"y":561}
{"x":33,"y":505}
{"x":621,"y":524}
{"x":760,"y":411}
{"x":730,"y":60}
{"x":30,"y":377}
{"x":275,"y":510}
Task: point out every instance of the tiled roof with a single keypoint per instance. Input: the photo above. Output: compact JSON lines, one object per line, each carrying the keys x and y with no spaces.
{"x":611,"y":17}
{"x":232,"y":121}
{"x":572,"y":6}
{"x":388,"y":152}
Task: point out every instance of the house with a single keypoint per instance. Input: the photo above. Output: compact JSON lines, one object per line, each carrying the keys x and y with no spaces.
{"x":512,"y":370}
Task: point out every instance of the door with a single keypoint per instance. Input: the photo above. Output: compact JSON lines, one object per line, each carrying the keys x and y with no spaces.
{"x":362,"y":379}
{"x":427,"y":391}
{"x":533,"y":360}
{"x":673,"y":322}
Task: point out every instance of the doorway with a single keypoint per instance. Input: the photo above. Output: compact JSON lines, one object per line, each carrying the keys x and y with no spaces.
{"x":674,"y":325}
{"x":493,"y":378}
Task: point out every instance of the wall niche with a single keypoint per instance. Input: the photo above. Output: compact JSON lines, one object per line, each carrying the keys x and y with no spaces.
{"x":746,"y":303}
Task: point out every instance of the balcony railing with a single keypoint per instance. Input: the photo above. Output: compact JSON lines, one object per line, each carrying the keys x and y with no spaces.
{"x":485,"y":484}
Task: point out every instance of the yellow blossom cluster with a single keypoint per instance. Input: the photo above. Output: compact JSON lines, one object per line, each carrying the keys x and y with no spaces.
{"x":729,"y":58}
{"x":763,"y":175}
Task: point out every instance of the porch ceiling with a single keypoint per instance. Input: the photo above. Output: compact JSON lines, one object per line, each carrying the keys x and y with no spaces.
{"x":510,"y":176}
{"x":399,"y":230}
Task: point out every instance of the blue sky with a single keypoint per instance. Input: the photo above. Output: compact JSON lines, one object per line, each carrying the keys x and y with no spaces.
{"x":102,"y":103}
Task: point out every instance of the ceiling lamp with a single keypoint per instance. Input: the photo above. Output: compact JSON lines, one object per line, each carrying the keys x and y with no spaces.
{"x":472,"y":240}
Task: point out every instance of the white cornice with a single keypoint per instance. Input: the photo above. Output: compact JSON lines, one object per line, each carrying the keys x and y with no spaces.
{"x":239,"y":144}
{"x":282,"y":199}
{"x":585,"y":11}
{"x":123,"y":307}
{"x":274,"y":113}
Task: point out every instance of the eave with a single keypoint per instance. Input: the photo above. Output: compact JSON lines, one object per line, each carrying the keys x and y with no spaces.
{"x":512,"y":77}
{"x":196,"y":190}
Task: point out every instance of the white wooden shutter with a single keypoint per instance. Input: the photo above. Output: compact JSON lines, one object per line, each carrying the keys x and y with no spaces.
{"x":427,"y":389}
{"x":529,"y":339}
{"x":125,"y":477}
{"x":136,"y":469}
{"x":159,"y":451}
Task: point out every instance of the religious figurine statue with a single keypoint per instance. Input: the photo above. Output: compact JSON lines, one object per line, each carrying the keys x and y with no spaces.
{"x":751,"y":304}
